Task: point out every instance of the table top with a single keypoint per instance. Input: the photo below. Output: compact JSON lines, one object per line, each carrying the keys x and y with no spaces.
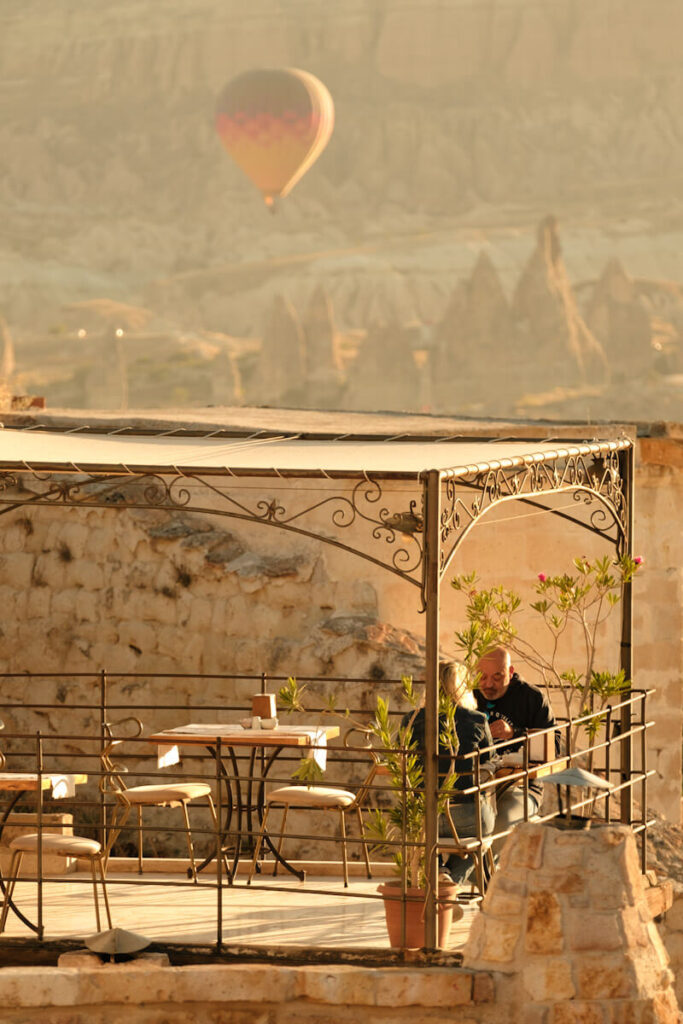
{"x":236,"y":735}
{"x":536,"y":769}
{"x":29,"y":780}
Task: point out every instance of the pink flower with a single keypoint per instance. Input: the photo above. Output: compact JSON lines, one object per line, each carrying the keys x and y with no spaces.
{"x":639,"y":560}
{"x":542,"y":577}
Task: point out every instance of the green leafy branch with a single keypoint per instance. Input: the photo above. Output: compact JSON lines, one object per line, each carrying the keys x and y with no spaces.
{"x":584,"y":598}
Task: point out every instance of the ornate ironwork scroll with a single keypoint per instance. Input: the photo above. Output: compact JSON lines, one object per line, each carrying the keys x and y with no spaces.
{"x":391,"y":538}
{"x":364,"y":506}
{"x":595,"y":482}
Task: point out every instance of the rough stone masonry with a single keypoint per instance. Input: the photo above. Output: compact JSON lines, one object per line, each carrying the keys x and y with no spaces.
{"x":566,"y":921}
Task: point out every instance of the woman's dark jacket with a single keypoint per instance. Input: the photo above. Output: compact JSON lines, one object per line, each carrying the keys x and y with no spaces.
{"x":472,"y":730}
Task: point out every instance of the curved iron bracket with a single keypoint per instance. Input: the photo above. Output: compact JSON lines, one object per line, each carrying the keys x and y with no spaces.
{"x":363,"y":505}
{"x":596,"y":483}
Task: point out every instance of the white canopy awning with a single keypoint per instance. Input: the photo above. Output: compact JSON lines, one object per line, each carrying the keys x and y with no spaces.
{"x":258,"y":455}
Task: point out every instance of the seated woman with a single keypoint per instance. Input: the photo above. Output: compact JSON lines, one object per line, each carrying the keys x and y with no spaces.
{"x":473,"y":733}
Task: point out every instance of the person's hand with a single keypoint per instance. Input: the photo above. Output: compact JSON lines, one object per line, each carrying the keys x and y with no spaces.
{"x":501,"y":730}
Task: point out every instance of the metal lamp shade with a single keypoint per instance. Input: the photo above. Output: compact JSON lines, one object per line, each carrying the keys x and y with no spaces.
{"x":576,"y":777}
{"x":117,"y":942}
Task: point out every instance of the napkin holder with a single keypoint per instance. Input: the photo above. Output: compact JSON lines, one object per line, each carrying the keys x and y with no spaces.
{"x":263,"y":705}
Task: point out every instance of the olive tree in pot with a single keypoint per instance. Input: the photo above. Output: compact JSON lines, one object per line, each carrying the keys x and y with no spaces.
{"x":399,"y":830}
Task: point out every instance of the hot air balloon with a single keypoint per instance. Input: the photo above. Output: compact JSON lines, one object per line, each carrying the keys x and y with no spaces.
{"x":275,"y":123}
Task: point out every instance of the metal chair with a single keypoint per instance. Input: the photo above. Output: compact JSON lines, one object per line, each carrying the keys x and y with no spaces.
{"x":163,"y":794}
{"x":322,"y":798}
{"x":480,"y":852}
{"x":60,"y":846}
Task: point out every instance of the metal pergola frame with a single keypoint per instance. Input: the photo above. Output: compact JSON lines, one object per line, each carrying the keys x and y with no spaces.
{"x":417,"y":543}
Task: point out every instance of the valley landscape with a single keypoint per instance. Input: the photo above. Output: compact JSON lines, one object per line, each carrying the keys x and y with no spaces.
{"x":495,"y":227}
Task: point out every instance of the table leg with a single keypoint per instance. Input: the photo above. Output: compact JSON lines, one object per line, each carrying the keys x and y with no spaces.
{"x":260,"y":806}
{"x":229,"y":810}
{"x":240,"y":808}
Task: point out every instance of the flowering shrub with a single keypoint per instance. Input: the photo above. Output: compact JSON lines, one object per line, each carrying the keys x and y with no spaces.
{"x":584,"y":598}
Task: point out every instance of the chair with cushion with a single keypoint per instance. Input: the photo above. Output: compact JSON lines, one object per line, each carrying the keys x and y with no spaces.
{"x":59,"y":846}
{"x":323,"y":798}
{"x":163,"y":794}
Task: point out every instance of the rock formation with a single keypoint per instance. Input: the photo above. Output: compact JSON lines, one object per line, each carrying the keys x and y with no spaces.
{"x":280,"y":377}
{"x":566,"y":920}
{"x":558,"y":348}
{"x":457,"y":123}
{"x":323,"y":365}
{"x":7,"y":363}
{"x":384,"y":375}
{"x":616,"y":315}
{"x":226,"y":382}
{"x":473,"y":345}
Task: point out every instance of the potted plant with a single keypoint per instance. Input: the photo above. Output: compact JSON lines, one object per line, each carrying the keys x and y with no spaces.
{"x":573,"y":607}
{"x":400,"y":829}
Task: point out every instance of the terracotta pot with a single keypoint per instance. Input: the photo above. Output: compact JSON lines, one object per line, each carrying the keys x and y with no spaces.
{"x":414,"y":910}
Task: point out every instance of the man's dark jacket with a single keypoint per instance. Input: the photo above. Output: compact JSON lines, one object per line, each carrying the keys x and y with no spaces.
{"x":523,"y":706}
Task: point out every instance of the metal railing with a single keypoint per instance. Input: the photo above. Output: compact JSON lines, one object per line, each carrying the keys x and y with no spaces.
{"x":68,"y":734}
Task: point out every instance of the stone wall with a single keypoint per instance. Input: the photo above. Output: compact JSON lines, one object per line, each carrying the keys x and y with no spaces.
{"x":566,"y":921}
{"x":565,"y":936}
{"x":671,"y":930}
{"x":659,"y":610}
{"x":146,"y":992}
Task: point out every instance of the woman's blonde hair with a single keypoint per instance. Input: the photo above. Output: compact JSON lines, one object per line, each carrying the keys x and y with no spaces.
{"x":453,"y":680}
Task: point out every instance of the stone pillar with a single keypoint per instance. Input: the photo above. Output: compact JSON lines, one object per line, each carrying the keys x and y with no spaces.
{"x":566,"y":923}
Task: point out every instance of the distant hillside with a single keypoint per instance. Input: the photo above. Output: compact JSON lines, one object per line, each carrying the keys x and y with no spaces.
{"x":458,"y":127}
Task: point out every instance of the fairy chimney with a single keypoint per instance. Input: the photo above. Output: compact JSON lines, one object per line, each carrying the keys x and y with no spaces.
{"x":488,"y":308}
{"x":226,"y":380}
{"x":618,"y":317}
{"x":384,"y":375}
{"x":560,"y":348}
{"x":475,"y":332}
{"x":323,"y":366}
{"x":280,"y":372}
{"x":566,"y":924}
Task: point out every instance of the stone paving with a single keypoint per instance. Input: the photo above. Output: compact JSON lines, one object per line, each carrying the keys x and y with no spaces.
{"x":168,"y":908}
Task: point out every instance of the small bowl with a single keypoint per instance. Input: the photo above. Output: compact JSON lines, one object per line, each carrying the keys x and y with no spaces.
{"x":269,"y":723}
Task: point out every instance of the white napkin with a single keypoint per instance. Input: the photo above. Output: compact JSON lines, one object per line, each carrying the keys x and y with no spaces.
{"x":319,"y":738}
{"x":63,"y":786}
{"x":167,"y":754}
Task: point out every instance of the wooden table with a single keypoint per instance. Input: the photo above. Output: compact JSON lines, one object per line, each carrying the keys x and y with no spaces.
{"x":20,"y":783}
{"x":512,"y":774}
{"x":232,"y":736}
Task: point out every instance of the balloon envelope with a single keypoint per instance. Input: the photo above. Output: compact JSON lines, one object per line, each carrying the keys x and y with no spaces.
{"x":275,"y":123}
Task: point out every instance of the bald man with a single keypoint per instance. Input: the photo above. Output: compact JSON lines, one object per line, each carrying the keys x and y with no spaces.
{"x":511,"y":707}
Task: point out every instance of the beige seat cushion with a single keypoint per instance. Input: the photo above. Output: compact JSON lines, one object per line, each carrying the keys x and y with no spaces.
{"x":161,"y":795}
{"x":311,"y":796}
{"x":62,"y":846}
